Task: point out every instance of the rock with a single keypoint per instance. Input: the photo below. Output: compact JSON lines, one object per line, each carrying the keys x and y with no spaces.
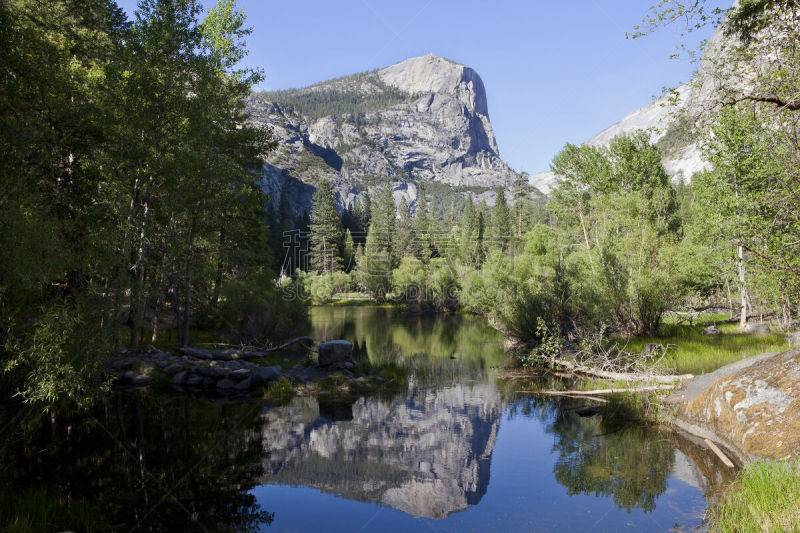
{"x":226,"y":384}
{"x":140,"y":379}
{"x":209,"y":383}
{"x":128,"y":377}
{"x":245,"y":384}
{"x":215,"y":372}
{"x":240,"y":374}
{"x":232,"y":365}
{"x":119,"y":364}
{"x":193,"y":380}
{"x":756,"y":329}
{"x":173,"y":369}
{"x":265,"y":374}
{"x":711,"y":330}
{"x":179,"y":378}
{"x":794,"y":339}
{"x":751,"y":406}
{"x":653,"y":348}
{"x":334,"y":352}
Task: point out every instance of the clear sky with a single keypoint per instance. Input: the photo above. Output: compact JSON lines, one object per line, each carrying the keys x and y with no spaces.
{"x":554,"y":71}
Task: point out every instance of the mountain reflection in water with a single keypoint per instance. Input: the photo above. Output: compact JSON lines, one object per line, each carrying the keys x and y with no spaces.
{"x":426,"y":453}
{"x":458,"y":447}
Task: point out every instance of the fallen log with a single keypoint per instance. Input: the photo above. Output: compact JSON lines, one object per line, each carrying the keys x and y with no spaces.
{"x":558,"y":393}
{"x":589,"y":393}
{"x":619,"y":376}
{"x":234,"y":354}
{"x":724,"y":458}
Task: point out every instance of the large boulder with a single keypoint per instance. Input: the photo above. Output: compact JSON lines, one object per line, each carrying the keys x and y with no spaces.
{"x":334,"y":352}
{"x":752,"y":406}
{"x":265,"y":374}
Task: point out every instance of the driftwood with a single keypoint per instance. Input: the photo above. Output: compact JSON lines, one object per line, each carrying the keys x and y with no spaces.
{"x":619,"y":376}
{"x":566,"y":393}
{"x":590,"y":393}
{"x":233,"y":354}
{"x":724,"y":458}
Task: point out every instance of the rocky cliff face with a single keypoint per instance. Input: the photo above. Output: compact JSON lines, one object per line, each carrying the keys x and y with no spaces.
{"x":427,"y":454}
{"x":424,"y":120}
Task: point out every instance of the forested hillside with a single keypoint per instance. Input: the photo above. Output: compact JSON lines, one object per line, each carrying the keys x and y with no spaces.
{"x":130,"y":210}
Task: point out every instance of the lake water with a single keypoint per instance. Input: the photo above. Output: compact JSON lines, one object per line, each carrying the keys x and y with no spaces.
{"x":459,"y":450}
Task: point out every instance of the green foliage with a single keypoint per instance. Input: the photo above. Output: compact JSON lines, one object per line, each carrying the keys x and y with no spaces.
{"x":549,"y":347}
{"x":62,"y":357}
{"x":280,"y":392}
{"x":129,"y":196}
{"x":254,"y":311}
{"x":324,"y":288}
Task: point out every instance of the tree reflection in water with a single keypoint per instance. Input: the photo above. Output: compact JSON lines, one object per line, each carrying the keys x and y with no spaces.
{"x":147,"y":462}
{"x":603,"y":457}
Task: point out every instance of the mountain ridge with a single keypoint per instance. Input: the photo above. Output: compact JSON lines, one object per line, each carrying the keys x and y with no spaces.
{"x":422,"y":120}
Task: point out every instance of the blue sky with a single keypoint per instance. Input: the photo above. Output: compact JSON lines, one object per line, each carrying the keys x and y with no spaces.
{"x":554,"y":72}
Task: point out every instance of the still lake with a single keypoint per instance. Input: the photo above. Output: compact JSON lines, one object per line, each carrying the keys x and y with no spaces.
{"x":458,"y":450}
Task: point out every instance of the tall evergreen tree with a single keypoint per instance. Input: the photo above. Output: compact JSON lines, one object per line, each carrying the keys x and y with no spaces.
{"x":326,"y":233}
{"x":383,"y":220}
{"x":402,"y":232}
{"x":348,"y":251}
{"x":420,"y":228}
{"x":500,"y":227}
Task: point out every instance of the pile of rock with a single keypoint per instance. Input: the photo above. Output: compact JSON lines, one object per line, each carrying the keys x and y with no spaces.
{"x":198,"y":369}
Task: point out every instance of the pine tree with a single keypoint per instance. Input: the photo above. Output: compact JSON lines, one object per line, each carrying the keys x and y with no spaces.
{"x":348,"y":251}
{"x":468,"y":234}
{"x":402,"y":233}
{"x":374,"y":268}
{"x":420,"y":228}
{"x":522,"y":204}
{"x":383,"y":221}
{"x":500,"y":225}
{"x":326,"y":232}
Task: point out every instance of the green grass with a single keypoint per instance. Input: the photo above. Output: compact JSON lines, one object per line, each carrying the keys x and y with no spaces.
{"x":280,"y":392}
{"x":764,"y":497}
{"x":691,"y":352}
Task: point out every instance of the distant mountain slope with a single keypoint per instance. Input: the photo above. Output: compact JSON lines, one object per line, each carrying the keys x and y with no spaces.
{"x":670,"y":119}
{"x":424,"y":120}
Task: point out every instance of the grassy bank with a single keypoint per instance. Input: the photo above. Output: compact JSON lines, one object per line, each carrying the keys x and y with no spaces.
{"x":764,"y":497}
{"x":692,"y":352}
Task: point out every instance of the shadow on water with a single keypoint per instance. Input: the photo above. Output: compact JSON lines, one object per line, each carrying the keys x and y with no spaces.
{"x":144,"y":461}
{"x":157,"y":461}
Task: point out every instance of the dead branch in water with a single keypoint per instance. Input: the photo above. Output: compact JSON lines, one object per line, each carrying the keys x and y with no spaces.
{"x":620,"y":376}
{"x":590,"y":393}
{"x":566,"y":393}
